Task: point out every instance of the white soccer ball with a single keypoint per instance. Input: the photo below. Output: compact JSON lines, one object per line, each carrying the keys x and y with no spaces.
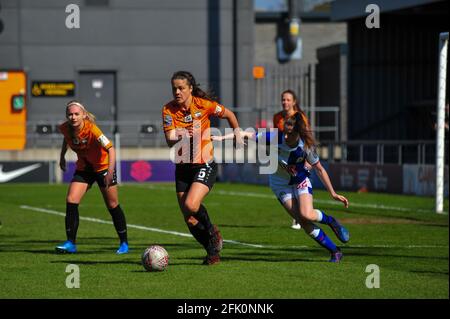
{"x":155,"y":258}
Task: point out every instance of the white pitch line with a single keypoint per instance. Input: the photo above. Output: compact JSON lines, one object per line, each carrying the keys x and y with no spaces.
{"x":320,"y":201}
{"x":157,"y":230}
{"x":101,"y":221}
{"x":329,"y":202}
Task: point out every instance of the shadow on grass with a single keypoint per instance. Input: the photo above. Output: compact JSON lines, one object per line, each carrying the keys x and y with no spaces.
{"x":275,"y":259}
{"x":396,"y":216}
{"x":40,"y":241}
{"x":242,"y":226}
{"x":174,"y":264}
{"x":434,"y":225}
{"x":96,"y":262}
{"x":429,"y":272}
{"x":143,"y":271}
{"x":84,"y":247}
{"x":53,"y":252}
{"x":267,"y":257}
{"x":382,"y":253}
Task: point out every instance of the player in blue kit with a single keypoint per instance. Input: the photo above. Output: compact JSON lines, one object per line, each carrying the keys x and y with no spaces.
{"x":291,"y":184}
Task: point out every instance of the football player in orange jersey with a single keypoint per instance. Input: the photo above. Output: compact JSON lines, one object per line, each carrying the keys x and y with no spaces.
{"x":290,"y":106}
{"x":186,"y":123}
{"x":96,"y":163}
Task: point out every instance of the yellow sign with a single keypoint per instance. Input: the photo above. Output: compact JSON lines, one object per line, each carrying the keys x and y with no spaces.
{"x":52,"y":89}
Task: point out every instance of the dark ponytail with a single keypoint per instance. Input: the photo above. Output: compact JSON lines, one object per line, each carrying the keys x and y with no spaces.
{"x":196,"y":90}
{"x":304,"y":130}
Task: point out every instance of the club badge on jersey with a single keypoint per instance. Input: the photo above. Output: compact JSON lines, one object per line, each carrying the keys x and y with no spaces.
{"x":168,"y":120}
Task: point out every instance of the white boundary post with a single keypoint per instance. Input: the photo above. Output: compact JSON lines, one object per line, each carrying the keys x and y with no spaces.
{"x":440,"y":133}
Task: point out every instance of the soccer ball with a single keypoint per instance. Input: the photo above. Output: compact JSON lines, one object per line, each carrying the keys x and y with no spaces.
{"x":155,"y":258}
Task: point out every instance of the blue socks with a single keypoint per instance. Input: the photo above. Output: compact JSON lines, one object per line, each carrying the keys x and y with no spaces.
{"x":323,"y":240}
{"x":323,"y":218}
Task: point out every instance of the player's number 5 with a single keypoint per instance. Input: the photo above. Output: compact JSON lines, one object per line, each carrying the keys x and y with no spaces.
{"x":202,"y":173}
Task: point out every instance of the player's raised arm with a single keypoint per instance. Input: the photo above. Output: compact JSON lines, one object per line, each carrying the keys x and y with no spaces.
{"x":231,"y":136}
{"x":233,"y":122}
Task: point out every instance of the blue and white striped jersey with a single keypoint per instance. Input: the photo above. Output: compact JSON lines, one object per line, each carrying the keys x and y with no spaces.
{"x":290,"y":156}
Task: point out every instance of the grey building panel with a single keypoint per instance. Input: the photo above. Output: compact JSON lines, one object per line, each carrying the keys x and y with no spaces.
{"x":313,"y":34}
{"x":226,"y":90}
{"x":98,"y":27}
{"x":137,"y":96}
{"x":245,"y":68}
{"x":44,"y":4}
{"x":351,"y":9}
{"x":150,"y":96}
{"x":10,"y":32}
{"x":9,"y":57}
{"x":143,"y":42}
{"x":131,"y":62}
{"x":123,"y":4}
{"x":47,"y":109}
{"x":8,"y":4}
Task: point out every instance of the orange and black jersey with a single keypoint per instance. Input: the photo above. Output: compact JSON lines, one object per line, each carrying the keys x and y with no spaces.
{"x":198,"y":118}
{"x":90,"y":145}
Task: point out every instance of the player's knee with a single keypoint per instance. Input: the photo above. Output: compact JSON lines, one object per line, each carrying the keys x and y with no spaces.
{"x":112,"y":203}
{"x":191,"y":207}
{"x":72,"y":199}
{"x":308,"y":214}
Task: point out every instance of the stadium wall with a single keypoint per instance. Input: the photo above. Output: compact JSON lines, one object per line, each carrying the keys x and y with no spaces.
{"x":141,"y":43}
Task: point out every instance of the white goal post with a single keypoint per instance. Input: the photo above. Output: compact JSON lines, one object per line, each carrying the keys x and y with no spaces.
{"x":440,"y":125}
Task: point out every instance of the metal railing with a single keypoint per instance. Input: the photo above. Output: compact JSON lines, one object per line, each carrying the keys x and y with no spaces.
{"x":148,"y":134}
{"x":135,"y":133}
{"x":381,"y":152}
{"x":132,"y":133}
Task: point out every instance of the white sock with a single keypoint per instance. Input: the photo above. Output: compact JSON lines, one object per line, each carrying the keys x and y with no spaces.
{"x":319,"y":215}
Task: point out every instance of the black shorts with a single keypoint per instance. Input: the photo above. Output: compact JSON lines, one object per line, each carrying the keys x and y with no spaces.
{"x":186,"y":174}
{"x":91,"y":177}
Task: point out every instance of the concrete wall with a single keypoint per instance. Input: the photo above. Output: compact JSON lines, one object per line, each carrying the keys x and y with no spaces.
{"x":314,"y":35}
{"x":144,"y":42}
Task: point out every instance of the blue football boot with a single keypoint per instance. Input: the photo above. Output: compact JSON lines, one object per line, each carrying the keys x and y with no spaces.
{"x":336,"y":256}
{"x":341,"y":232}
{"x":66,"y":247}
{"x":123,"y":249}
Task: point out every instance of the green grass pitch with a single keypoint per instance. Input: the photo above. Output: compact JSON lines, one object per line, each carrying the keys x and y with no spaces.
{"x":399,"y":234}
